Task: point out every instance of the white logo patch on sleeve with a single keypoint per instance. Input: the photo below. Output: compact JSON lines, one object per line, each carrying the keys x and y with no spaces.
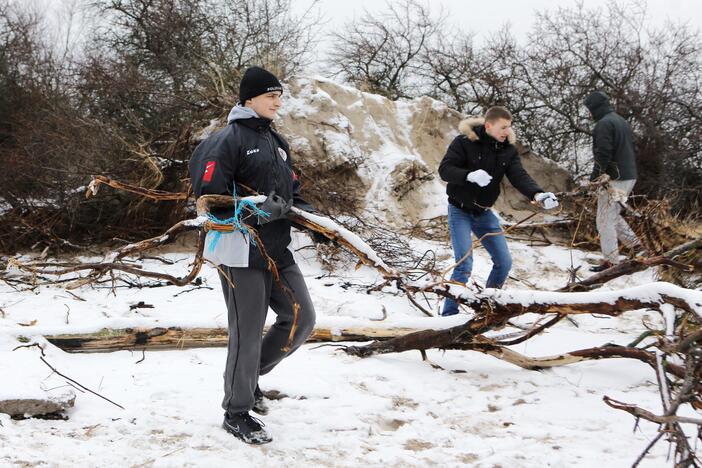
{"x":283,"y":154}
{"x":251,"y":151}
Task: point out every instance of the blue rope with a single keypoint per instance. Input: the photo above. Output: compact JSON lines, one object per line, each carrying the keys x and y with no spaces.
{"x":235,"y":220}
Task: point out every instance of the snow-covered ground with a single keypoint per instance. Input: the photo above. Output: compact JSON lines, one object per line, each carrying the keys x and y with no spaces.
{"x":339,"y":411}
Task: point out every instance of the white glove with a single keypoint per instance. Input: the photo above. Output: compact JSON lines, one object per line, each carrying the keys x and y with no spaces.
{"x":546,"y":199}
{"x":479,"y":177}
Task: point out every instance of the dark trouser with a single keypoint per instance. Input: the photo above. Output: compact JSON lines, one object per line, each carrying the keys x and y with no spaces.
{"x":249,"y":354}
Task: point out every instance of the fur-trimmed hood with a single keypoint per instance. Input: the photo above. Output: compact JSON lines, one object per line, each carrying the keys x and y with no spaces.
{"x":468,"y":126}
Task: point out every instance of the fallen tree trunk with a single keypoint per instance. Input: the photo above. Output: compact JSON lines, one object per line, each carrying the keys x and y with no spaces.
{"x":494,"y":308}
{"x":184,"y":338}
{"x":159,"y":338}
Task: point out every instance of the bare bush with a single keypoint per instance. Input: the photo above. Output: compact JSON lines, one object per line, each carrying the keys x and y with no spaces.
{"x":380,"y":53}
{"x":469,"y":78}
{"x":151,"y":71}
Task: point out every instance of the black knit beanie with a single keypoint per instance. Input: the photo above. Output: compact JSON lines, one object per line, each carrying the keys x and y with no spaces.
{"x":257,"y":81}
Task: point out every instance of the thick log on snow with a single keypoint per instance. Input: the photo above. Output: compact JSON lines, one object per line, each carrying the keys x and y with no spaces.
{"x":183,"y":338}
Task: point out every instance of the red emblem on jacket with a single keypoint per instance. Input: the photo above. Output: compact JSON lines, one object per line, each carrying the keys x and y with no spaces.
{"x":209,"y":170}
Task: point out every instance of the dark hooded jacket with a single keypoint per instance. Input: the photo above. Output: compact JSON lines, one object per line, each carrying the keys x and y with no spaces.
{"x":612,"y":140}
{"x":249,"y":152}
{"x":474,"y":149}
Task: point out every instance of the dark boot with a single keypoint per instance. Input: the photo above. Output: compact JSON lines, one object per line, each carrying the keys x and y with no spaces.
{"x":601,"y":267}
{"x":260,"y":406}
{"x":245,"y":427}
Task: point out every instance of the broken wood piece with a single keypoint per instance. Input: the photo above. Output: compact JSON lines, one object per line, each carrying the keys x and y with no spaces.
{"x":49,"y":404}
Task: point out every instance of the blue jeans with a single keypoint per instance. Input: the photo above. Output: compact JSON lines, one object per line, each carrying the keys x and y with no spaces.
{"x":461,"y":224}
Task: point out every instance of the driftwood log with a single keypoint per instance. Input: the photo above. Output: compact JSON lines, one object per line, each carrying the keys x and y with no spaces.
{"x":315,"y":223}
{"x":184,"y":338}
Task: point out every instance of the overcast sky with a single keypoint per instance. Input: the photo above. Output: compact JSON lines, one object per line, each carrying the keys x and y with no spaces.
{"x":481,"y":17}
{"x":485,"y":16}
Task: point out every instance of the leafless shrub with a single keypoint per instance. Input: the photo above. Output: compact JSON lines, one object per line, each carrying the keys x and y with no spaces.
{"x":380,"y":53}
{"x":150,"y":72}
{"x":469,"y":78}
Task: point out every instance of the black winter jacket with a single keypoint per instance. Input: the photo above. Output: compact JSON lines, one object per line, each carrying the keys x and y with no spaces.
{"x":247,"y":151}
{"x":612,"y":140}
{"x":474,"y":149}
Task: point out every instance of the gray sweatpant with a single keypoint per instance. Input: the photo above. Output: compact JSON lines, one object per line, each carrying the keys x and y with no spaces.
{"x":610,"y":224}
{"x":249,"y":354}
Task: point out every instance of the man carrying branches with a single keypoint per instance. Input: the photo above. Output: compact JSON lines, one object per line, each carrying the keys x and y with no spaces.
{"x":615,"y":155}
{"x":474,"y":165}
{"x":256,"y":269}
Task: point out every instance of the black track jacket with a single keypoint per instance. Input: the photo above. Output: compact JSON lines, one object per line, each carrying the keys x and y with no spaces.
{"x":249,"y":152}
{"x":474,"y":149}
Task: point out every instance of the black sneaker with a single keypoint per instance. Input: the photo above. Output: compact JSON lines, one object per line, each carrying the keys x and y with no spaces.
{"x":601,"y":267}
{"x":247,"y":428}
{"x":260,"y":406}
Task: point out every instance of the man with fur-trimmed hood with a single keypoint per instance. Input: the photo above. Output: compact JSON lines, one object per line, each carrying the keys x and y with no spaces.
{"x":474,"y":165}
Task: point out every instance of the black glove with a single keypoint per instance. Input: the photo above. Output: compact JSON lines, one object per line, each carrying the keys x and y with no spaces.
{"x":275,"y":206}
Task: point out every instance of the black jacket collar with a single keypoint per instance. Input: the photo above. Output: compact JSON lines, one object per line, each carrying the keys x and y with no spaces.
{"x":488,"y":140}
{"x":255,"y":123}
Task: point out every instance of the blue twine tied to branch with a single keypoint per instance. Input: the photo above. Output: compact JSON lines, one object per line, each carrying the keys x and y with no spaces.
{"x":239,"y":206}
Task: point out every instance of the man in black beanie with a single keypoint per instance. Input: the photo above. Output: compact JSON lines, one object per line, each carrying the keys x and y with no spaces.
{"x":257,"y":81}
{"x":248,"y":152}
{"x":615,"y":155}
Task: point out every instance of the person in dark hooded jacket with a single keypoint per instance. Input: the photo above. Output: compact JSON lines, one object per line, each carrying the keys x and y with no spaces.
{"x":614,"y":155}
{"x":249,"y":155}
{"x":473,"y":167}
